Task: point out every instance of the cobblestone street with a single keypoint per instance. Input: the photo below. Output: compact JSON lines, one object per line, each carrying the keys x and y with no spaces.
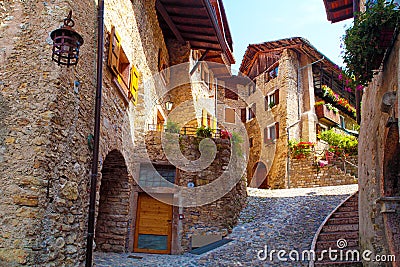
{"x":279,"y":219}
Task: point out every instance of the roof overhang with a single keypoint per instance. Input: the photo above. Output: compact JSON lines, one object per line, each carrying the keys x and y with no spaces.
{"x":201,"y":23}
{"x":259,"y":58}
{"x":338,"y":10}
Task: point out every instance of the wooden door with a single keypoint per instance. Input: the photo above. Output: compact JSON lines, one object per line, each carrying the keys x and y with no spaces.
{"x":153,"y":225}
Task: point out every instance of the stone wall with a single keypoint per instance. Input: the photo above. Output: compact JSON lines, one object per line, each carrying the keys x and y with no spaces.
{"x":217,"y":217}
{"x":45,"y":124}
{"x":372,"y":140}
{"x":304,"y":173}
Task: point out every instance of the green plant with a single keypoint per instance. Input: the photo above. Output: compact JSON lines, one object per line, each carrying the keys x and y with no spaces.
{"x":271,"y":104}
{"x":332,"y":108}
{"x":204,"y":132}
{"x":329,"y":93}
{"x":236,"y":140}
{"x":172,"y":127}
{"x":362,"y":42}
{"x":319,"y":103}
{"x":340,"y":143}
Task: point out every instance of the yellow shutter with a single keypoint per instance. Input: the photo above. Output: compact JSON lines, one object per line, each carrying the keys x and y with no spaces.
{"x":114,"y":51}
{"x":214,"y":124}
{"x":204,"y":118}
{"x":134,"y":85}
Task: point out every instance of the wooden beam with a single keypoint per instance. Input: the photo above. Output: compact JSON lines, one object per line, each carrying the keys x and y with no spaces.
{"x":160,"y":8}
{"x":198,"y":62}
{"x":341,"y":8}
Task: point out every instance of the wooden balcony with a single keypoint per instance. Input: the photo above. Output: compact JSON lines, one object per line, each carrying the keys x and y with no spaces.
{"x":326,"y":115}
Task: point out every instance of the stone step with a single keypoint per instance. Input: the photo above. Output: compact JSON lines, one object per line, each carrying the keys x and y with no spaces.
{"x":351,"y":244}
{"x":344,"y":208}
{"x":340,"y":228}
{"x":348,"y":220}
{"x":348,"y":235}
{"x":345,"y":214}
{"x":339,"y":264}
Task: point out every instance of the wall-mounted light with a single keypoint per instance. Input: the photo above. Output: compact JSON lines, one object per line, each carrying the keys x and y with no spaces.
{"x":168,"y":105}
{"x":66,"y":43}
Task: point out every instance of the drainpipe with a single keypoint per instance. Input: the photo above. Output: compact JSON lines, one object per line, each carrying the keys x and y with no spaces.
{"x":298,"y":116}
{"x":298,"y":84}
{"x":288,"y":154}
{"x":93,"y":180}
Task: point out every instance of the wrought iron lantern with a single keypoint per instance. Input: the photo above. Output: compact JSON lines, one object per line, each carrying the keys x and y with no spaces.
{"x":168,"y":105}
{"x":66,"y":43}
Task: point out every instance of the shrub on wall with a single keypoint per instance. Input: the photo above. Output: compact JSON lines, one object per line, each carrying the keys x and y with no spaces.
{"x":340,"y":143}
{"x":300,"y":149}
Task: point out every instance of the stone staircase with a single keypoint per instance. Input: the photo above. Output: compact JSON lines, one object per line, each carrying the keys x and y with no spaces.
{"x":339,"y":232}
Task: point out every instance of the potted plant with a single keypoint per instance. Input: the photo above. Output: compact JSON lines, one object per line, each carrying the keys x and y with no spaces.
{"x":204,"y":132}
{"x":367,"y":40}
{"x":172,"y":127}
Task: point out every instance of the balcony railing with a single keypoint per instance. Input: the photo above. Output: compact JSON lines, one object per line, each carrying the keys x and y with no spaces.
{"x":186,"y":130}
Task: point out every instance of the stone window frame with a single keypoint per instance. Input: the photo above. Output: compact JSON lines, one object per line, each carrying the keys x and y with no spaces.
{"x":207,"y":76}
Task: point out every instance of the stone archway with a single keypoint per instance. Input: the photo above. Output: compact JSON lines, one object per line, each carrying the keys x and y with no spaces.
{"x":391,"y":191}
{"x":112,"y":228}
{"x":259,"y":175}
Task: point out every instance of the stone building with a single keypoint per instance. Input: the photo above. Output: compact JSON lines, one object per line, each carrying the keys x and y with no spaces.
{"x":291,"y":77}
{"x":379,"y":150}
{"x":46,"y":124}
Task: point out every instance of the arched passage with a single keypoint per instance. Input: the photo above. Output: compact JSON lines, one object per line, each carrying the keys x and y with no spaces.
{"x":391,"y":189}
{"x":113,"y":216}
{"x":259,"y":175}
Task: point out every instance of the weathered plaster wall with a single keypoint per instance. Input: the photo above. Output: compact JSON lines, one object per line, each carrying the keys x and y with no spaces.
{"x":371,"y":155}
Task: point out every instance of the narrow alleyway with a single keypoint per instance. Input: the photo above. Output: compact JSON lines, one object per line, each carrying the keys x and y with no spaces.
{"x":279,"y":219}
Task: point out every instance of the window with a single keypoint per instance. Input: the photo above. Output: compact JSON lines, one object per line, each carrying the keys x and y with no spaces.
{"x":229,"y":115}
{"x":272,"y":99}
{"x":251,"y":142}
{"x":271,"y":133}
{"x":243,"y":115}
{"x":152,"y":175}
{"x":207,"y":77}
{"x":126,"y":77}
{"x":342,"y":122}
{"x":252,"y":88}
{"x":251,"y":112}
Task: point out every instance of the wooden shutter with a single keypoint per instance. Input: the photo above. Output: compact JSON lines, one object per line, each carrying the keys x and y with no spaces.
{"x":265,"y":135}
{"x":243,"y":115}
{"x":134,"y":85}
{"x":253,"y":110}
{"x":277,"y":97}
{"x":277,"y":130}
{"x":114,"y":51}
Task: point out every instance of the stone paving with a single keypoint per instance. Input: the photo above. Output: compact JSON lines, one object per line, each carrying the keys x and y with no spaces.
{"x":279,"y":219}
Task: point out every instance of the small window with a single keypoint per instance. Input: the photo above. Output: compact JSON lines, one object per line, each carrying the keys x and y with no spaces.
{"x":252,"y":88}
{"x":207,"y":76}
{"x":229,"y":115}
{"x":251,"y":112}
{"x":271,"y":133}
{"x":272,"y":99}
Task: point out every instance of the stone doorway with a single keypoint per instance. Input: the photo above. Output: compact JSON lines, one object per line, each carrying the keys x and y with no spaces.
{"x":259,"y":175}
{"x":112,"y":228}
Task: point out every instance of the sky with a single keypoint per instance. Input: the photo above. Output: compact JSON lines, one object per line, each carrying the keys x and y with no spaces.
{"x":258,"y":21}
